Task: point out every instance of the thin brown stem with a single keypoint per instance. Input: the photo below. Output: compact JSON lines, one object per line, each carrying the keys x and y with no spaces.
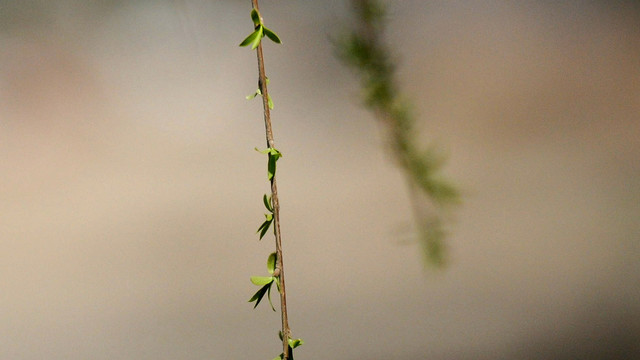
{"x":262,"y":85}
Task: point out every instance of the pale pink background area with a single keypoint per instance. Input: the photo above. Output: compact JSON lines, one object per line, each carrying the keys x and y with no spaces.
{"x":130,"y":191}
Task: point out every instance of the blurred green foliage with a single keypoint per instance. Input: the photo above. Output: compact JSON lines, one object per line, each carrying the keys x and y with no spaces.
{"x":363,"y":49}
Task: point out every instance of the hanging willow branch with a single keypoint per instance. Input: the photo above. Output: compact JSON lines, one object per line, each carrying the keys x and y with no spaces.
{"x":275,"y":263}
{"x":362,"y":49}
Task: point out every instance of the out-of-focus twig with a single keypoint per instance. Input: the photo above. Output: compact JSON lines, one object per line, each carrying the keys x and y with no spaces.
{"x":362,"y":48}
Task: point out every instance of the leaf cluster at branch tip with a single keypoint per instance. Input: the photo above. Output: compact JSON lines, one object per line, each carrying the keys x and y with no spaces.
{"x":260,"y":31}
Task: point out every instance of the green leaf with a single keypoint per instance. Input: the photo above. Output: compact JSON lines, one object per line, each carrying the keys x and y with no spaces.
{"x":267,"y":202}
{"x":256,"y":40}
{"x":270,"y":102}
{"x":252,"y":38}
{"x":295,"y":343}
{"x":258,"y":92}
{"x":262,"y":280}
{"x":271,"y":35}
{"x":274,"y":155}
{"x":270,"y":151}
{"x":255,"y":17}
{"x":271,"y":167}
{"x":265,"y":225}
{"x":271,"y":263}
{"x":257,"y":297}
{"x":269,"y":297}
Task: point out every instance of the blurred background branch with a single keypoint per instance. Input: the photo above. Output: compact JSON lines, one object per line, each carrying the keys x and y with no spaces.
{"x":363,"y":49}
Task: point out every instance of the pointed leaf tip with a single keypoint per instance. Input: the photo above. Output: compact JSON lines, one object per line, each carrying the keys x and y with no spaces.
{"x":251,"y":38}
{"x":271,"y":35}
{"x":257,"y":297}
{"x":265,"y":226}
{"x":269,"y":297}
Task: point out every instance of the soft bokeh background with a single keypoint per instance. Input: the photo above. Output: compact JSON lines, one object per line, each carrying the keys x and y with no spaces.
{"x":130,"y":191}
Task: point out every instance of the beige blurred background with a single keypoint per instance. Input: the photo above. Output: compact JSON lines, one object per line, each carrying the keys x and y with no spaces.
{"x":130,"y":191}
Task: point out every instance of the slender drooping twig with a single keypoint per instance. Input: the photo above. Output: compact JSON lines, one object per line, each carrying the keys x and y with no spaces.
{"x":363,"y":49}
{"x":279,"y":271}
